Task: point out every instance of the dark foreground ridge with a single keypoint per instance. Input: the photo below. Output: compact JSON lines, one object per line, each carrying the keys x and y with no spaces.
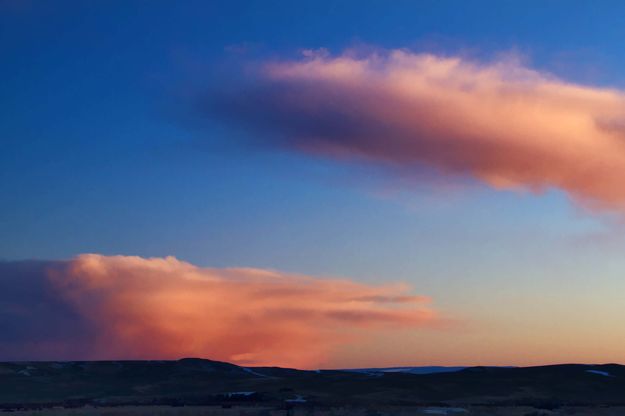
{"x":196,"y":381}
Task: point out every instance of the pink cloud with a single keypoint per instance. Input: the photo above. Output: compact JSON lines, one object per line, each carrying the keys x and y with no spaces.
{"x":162,"y":308}
{"x":501,"y":123}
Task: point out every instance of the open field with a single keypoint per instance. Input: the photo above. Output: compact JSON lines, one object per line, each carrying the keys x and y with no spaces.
{"x":338,"y":411}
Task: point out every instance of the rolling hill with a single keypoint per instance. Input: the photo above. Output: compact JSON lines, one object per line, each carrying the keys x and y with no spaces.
{"x":198,"y":381}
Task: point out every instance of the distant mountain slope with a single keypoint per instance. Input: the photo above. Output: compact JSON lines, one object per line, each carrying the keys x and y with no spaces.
{"x":196,"y":381}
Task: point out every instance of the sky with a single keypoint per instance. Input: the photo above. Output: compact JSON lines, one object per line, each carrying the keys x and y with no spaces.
{"x":313,"y":184}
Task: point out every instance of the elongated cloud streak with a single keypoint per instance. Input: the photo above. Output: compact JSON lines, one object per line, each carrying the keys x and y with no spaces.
{"x":131,"y":307}
{"x":501,"y":123}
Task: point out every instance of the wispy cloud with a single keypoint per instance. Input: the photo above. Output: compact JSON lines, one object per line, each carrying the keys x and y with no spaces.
{"x":130,"y":307}
{"x":502,"y":123}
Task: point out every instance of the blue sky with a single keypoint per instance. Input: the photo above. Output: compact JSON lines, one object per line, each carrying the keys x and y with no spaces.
{"x":97,"y":156}
{"x":102,"y":151}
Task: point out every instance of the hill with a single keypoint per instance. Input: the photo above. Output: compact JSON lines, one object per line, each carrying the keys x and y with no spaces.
{"x":198,"y":381}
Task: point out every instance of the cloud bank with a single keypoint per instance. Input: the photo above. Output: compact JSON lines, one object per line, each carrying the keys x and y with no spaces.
{"x":119,"y":307}
{"x":501,"y":123}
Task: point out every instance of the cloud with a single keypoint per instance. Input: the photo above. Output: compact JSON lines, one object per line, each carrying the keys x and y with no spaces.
{"x":34,"y":321}
{"x":501,"y":123}
{"x":119,"y":307}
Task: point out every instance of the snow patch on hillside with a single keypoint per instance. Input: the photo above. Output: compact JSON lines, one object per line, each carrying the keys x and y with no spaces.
{"x":601,"y":373}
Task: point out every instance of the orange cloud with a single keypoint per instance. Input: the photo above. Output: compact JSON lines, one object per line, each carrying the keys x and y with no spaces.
{"x":164,"y":308}
{"x":504,"y":124}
